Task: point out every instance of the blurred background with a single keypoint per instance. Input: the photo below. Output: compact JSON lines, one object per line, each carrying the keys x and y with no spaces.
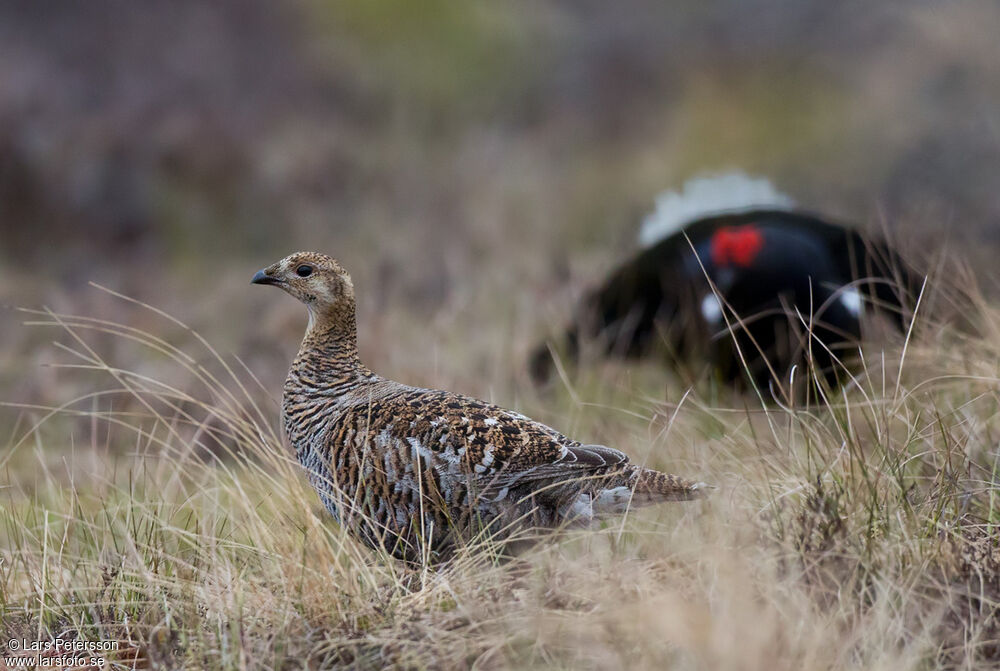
{"x":474,"y":165}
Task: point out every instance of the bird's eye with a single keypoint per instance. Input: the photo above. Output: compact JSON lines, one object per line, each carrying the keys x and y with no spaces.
{"x":304,"y":270}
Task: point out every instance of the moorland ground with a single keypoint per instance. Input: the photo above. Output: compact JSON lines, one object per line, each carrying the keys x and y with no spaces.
{"x":156,"y":505}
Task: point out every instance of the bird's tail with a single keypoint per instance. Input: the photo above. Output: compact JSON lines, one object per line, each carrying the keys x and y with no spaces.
{"x":659,"y":486}
{"x":637,"y":486}
{"x":705,"y":196}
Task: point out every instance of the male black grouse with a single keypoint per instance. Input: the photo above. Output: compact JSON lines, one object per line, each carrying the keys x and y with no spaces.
{"x":731,"y":271}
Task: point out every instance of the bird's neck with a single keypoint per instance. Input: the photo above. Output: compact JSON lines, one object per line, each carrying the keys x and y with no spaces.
{"x":328,"y":357}
{"x":326,"y":374}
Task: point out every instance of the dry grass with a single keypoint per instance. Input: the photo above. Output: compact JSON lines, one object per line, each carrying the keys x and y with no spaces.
{"x":164,"y":512}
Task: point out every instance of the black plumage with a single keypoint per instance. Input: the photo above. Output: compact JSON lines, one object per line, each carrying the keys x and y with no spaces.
{"x":756,"y":292}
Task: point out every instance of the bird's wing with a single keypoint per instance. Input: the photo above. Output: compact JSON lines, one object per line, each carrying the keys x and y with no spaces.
{"x":492,"y":448}
{"x":502,"y":464}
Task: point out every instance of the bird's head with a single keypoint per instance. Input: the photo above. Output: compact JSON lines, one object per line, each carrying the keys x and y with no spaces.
{"x":315,"y":279}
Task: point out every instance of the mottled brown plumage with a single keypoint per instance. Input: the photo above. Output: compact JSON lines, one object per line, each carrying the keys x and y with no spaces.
{"x":419,"y":471}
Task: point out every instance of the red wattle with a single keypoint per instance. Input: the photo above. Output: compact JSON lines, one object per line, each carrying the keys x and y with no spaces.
{"x":736,"y":245}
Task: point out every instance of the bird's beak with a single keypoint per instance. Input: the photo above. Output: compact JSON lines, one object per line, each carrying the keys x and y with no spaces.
{"x":261,"y":277}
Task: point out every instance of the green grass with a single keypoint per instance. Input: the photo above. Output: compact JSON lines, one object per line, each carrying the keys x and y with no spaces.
{"x":159,"y":509}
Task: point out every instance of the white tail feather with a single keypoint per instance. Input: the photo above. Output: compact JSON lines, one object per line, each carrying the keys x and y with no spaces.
{"x":708,"y":195}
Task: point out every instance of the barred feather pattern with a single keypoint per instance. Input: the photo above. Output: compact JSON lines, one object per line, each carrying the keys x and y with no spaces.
{"x":418,"y":472}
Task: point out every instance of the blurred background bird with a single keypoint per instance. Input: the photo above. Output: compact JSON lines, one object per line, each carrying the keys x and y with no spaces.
{"x":730,"y":270}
